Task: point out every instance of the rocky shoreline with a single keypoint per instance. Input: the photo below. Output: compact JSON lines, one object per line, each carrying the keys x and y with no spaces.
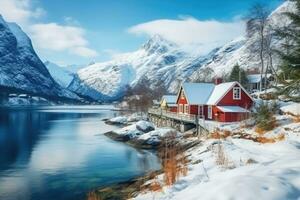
{"x":139,"y":144}
{"x":124,"y":190}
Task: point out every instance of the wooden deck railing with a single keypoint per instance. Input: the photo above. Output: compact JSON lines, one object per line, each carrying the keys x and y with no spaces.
{"x":173,"y":115}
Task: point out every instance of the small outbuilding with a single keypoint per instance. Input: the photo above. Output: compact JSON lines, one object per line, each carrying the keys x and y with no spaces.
{"x":168,"y":102}
{"x":254,"y":81}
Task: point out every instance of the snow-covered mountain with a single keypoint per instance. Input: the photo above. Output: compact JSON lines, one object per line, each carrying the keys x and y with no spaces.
{"x":20,"y":67}
{"x":158,"y":59}
{"x":161,"y":60}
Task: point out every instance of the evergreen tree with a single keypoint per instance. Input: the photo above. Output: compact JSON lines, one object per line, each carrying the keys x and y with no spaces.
{"x":290,"y":54}
{"x":239,"y":75}
{"x":264,"y":116}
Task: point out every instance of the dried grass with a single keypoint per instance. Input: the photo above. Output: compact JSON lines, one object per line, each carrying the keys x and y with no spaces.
{"x":265,"y":140}
{"x":220,"y":135}
{"x":155,"y":186}
{"x":280,"y":137}
{"x":260,"y":131}
{"x":296,"y":119}
{"x":93,"y":196}
{"x":267,"y":96}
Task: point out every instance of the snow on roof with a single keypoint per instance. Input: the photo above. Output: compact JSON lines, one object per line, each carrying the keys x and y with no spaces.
{"x":219,"y":91}
{"x":170,"y":99}
{"x":197,"y":93}
{"x":207,"y":93}
{"x":233,"y":109}
{"x":255,"y":78}
{"x":172,"y":105}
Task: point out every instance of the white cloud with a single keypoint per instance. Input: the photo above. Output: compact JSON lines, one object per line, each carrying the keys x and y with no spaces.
{"x":20,"y":11}
{"x":190,"y":32}
{"x":51,"y":36}
{"x":56,"y":37}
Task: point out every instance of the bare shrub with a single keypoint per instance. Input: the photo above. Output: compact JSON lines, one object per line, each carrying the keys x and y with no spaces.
{"x":173,"y":158}
{"x":250,"y":161}
{"x":222,"y":159}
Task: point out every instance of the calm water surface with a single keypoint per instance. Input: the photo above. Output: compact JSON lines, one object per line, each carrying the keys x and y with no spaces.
{"x":61,"y":153}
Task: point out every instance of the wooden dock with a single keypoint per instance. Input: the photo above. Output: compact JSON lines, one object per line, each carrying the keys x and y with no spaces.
{"x":179,"y":121}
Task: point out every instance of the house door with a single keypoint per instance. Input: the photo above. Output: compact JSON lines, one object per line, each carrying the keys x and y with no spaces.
{"x":200,"y":111}
{"x":209,"y":112}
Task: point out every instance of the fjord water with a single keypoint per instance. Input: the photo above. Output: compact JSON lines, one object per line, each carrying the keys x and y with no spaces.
{"x":61,"y":153}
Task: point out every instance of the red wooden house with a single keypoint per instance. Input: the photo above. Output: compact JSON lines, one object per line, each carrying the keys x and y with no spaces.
{"x":224,"y":102}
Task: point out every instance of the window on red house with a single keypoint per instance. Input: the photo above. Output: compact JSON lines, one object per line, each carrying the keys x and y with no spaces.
{"x":186,"y":109}
{"x":236,"y":93}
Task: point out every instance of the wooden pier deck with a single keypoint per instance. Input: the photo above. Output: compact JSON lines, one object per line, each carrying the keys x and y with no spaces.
{"x":181,"y":120}
{"x":177,"y":116}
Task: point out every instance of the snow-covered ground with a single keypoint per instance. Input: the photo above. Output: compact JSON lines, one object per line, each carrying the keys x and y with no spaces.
{"x":254,"y":171}
{"x":235,"y":168}
{"x":273,"y":175}
{"x":292,"y":108}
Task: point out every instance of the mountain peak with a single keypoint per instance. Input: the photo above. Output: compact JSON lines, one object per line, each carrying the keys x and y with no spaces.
{"x":158,"y":44}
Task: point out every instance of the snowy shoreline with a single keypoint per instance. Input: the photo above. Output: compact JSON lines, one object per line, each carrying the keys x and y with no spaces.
{"x":251,"y":162}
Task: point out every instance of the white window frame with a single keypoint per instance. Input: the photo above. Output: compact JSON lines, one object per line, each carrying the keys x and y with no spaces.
{"x":234,"y":93}
{"x":209,"y":112}
{"x":186,"y":108}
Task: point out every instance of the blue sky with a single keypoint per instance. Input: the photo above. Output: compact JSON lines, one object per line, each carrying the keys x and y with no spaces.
{"x":81,"y":31}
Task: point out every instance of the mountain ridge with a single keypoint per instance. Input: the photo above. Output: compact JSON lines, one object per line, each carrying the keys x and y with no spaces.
{"x":21,"y":68}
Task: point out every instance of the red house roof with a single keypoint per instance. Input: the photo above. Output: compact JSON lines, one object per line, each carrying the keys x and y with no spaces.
{"x":207,"y":93}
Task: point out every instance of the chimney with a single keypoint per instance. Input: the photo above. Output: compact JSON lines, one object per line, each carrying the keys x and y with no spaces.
{"x":218,"y":81}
